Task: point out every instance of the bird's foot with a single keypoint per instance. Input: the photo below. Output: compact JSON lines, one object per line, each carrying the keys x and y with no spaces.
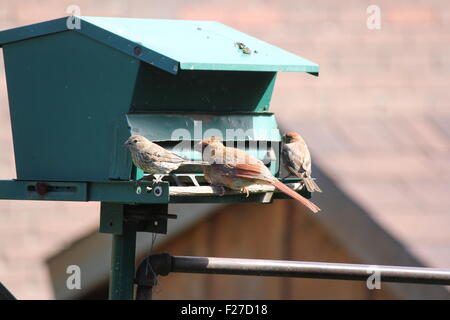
{"x":245,"y":190}
{"x":158,"y":178}
{"x":219,"y":188}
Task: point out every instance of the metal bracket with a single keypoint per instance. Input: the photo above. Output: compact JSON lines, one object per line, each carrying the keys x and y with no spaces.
{"x":105,"y":191}
{"x":43,"y":190}
{"x":148,"y":217}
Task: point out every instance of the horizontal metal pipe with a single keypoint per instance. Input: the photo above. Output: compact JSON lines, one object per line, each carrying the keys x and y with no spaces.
{"x":300,"y":269}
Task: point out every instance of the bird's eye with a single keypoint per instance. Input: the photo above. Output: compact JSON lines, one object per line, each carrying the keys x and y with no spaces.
{"x":134,"y":141}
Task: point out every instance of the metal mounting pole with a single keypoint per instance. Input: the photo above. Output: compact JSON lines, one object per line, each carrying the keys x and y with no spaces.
{"x":122,"y":262}
{"x":123,"y":221}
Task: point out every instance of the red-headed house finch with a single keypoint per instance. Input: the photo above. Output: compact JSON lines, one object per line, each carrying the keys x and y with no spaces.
{"x":154,"y":159}
{"x":297,"y":159}
{"x":236,"y":169}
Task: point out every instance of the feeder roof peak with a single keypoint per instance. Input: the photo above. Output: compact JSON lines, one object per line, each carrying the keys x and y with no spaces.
{"x":174,"y":44}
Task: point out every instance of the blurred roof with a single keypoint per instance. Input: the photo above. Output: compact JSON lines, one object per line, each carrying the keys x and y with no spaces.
{"x":396,"y":169}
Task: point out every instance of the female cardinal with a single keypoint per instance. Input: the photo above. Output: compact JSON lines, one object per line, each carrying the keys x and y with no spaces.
{"x":297,"y":159}
{"x":236,"y":169}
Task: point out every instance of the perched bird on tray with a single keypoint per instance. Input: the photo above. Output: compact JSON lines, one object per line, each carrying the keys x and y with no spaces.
{"x":236,"y":169}
{"x":154,"y":159}
{"x":297,"y":159}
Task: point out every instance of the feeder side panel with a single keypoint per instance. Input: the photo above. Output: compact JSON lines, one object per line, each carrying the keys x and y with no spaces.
{"x":202,"y":91}
{"x":68,"y":96}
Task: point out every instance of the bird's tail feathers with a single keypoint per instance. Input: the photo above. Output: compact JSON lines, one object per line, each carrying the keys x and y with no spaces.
{"x":311,"y":185}
{"x":285,"y":189}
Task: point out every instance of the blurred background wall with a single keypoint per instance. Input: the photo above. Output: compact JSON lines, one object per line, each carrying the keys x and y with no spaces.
{"x":377,"y":121}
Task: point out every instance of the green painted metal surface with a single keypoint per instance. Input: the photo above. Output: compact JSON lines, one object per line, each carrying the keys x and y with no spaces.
{"x":56,"y":191}
{"x":67,"y":97}
{"x":111,"y":218}
{"x":118,"y":192}
{"x":72,"y":125}
{"x":123,"y":256}
{"x":202,"y":91}
{"x":174,"y":44}
{"x":32,"y":31}
{"x":149,"y":217}
{"x":123,"y":221}
{"x":126,"y":192}
{"x":162,"y":127}
{"x":110,"y":191}
{"x":256,"y":133}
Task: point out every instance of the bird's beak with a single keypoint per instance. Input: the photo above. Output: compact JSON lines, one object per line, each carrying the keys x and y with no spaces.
{"x":126,"y":143}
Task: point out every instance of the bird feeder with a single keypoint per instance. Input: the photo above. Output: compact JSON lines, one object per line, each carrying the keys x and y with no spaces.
{"x":78,"y":91}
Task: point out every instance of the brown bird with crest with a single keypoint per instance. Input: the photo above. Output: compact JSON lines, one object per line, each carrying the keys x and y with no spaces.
{"x":236,"y":169}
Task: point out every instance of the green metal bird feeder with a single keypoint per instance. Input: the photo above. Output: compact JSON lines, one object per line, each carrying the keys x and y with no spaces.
{"x":77,"y":92}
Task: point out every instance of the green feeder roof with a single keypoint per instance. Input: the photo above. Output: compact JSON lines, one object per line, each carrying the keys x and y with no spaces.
{"x":175,"y":44}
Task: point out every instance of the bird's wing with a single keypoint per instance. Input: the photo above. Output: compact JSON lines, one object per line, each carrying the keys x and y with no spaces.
{"x":168,"y":156}
{"x":233,"y":162}
{"x":294,"y":157}
{"x":245,"y":170}
{"x":158,"y":153}
{"x":306,"y":163}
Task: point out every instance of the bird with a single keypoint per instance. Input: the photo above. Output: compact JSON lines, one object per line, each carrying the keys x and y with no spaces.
{"x":154,"y":159}
{"x":236,"y":170}
{"x":297,"y":159}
